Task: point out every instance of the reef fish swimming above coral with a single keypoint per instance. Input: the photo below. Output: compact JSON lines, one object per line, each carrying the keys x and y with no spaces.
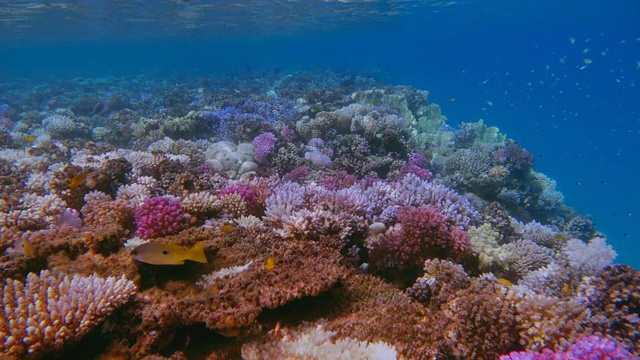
{"x":168,"y":254}
{"x":329,"y":216}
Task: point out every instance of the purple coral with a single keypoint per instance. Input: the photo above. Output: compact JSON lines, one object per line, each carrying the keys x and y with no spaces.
{"x":587,"y":348}
{"x":263,"y":145}
{"x":514,"y":157}
{"x":159,"y":216}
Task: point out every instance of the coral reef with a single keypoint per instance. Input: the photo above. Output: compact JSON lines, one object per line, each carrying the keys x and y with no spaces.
{"x":339,"y":216}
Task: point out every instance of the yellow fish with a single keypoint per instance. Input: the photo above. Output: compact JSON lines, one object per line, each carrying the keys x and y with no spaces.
{"x":504,"y":282}
{"x":169,"y":254}
{"x":270,"y":265}
{"x":23,"y":247}
{"x":77,"y":180}
{"x":226,"y":228}
{"x":31,"y":138}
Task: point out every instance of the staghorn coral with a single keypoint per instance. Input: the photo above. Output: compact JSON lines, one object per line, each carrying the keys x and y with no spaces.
{"x":49,"y":310}
{"x":413,"y":191}
{"x":614,"y":299}
{"x":248,"y":196}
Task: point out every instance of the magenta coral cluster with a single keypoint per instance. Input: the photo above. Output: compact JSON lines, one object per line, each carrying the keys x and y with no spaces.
{"x":263,"y":145}
{"x":247,"y":194}
{"x":425,"y":233}
{"x":418,"y":165}
{"x":159,"y":216}
{"x":587,"y":348}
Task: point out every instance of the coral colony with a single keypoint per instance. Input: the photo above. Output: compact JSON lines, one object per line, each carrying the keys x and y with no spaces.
{"x":312,"y":219}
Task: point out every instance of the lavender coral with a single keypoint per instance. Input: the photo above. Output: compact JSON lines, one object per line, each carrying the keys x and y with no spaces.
{"x":159,"y":216}
{"x":48,"y":310}
{"x":264,"y":145}
{"x":590,"y":347}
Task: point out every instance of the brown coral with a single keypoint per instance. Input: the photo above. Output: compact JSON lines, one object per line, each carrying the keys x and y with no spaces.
{"x":442,"y":279}
{"x":302,"y":268}
{"x":550,"y":322}
{"x":614,"y":299}
{"x":478,"y":323}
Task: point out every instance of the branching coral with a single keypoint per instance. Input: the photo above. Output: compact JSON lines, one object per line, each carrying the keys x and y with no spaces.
{"x":477,"y":323}
{"x":589,"y":347}
{"x":49,"y":310}
{"x":614,"y":299}
{"x":548,"y":322}
{"x":423,"y":232}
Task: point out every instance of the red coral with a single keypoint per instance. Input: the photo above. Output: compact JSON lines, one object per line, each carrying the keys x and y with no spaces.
{"x":425,"y":233}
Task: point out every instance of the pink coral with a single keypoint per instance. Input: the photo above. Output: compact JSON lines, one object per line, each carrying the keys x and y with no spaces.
{"x":425,"y":232}
{"x":159,"y":216}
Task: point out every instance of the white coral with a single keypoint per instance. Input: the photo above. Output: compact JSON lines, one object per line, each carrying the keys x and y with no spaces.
{"x":315,"y":343}
{"x":589,"y":257}
{"x":47,"y":310}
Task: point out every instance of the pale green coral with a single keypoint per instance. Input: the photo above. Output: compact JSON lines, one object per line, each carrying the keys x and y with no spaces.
{"x":484,"y":240}
{"x":549,"y":198}
{"x":428,"y":130}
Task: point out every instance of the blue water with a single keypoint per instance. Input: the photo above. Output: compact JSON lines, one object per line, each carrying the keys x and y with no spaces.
{"x":559,"y":77}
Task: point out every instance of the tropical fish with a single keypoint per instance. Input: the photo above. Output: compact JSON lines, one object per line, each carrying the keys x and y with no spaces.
{"x":23,"y":247}
{"x":31,"y":138}
{"x":226,"y":228}
{"x":504,"y":282}
{"x":452,"y":99}
{"x":168,"y":254}
{"x":77,"y":180}
{"x":270,"y":265}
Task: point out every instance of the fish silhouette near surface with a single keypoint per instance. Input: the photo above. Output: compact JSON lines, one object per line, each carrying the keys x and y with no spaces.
{"x":169,"y":254}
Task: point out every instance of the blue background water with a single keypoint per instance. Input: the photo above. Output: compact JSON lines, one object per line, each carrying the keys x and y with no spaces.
{"x":512,"y":63}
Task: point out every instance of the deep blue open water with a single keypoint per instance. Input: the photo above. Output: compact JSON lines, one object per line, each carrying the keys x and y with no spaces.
{"x":560,"y":77}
